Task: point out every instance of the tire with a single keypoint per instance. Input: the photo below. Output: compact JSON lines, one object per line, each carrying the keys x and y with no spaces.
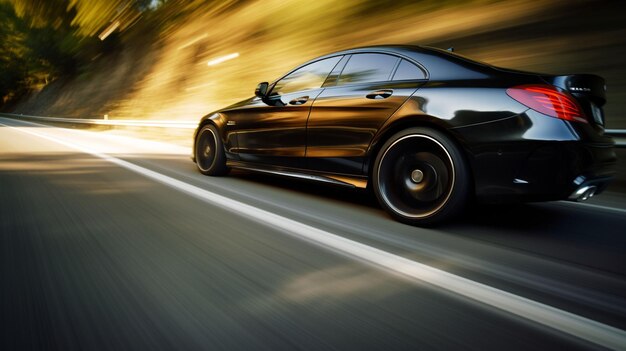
{"x":209,"y":152}
{"x":421,"y":177}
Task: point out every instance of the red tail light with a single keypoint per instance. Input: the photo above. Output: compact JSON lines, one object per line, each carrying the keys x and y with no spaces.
{"x":549,"y":101}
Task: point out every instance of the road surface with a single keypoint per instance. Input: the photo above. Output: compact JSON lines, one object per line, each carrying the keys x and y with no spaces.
{"x":115,"y":243}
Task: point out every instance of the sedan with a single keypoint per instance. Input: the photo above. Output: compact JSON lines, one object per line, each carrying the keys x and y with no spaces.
{"x":427,"y":130}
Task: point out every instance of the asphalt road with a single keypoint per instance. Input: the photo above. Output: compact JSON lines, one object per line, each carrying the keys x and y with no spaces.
{"x":117,"y":243}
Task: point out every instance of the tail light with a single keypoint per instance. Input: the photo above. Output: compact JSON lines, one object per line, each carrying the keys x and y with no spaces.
{"x":549,"y":101}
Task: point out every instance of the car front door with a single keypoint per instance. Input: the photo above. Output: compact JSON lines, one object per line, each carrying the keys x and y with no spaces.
{"x":346,"y":116}
{"x":272,"y":130}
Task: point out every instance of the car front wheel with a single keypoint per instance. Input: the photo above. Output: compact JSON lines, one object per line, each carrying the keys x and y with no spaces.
{"x":420,"y":177}
{"x":209,"y":152}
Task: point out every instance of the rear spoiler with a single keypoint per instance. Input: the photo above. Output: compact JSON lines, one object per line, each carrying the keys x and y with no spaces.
{"x":588,"y":86}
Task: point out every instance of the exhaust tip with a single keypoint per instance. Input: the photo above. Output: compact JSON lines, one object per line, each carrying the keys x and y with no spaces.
{"x":583,"y":193}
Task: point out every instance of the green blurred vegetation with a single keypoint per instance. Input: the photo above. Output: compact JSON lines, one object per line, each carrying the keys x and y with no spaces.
{"x":41,"y":40}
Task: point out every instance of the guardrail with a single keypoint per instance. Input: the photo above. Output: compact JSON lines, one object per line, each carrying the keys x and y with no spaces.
{"x":111,"y":122}
{"x":618,"y":134}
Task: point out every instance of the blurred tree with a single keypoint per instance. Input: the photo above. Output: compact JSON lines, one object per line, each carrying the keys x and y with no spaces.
{"x":13,"y":68}
{"x":44,"y":39}
{"x":86,"y":17}
{"x":42,"y":13}
{"x":51,"y":39}
{"x":54,"y":51}
{"x":93,"y":15}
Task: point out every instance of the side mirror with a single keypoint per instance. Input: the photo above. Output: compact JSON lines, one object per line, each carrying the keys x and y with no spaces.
{"x":261,"y":90}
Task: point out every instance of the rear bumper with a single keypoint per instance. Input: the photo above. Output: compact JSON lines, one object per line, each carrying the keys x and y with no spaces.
{"x":556,"y":170}
{"x":532,"y":157}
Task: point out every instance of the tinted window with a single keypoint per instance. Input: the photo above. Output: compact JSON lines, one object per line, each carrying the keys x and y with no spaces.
{"x":311,"y":76}
{"x":408,"y":71}
{"x":364,"y":68}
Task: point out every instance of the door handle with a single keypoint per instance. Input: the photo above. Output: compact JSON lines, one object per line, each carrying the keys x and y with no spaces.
{"x":380,"y":94}
{"x":299,"y":101}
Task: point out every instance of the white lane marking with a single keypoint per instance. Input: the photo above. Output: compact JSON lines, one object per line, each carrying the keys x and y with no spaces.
{"x":112,"y":122}
{"x":600,"y":207}
{"x":563,"y":321}
{"x":140,"y":146}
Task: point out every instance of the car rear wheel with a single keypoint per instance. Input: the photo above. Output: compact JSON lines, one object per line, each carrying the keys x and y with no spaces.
{"x":209,"y":152}
{"x":420,"y":177}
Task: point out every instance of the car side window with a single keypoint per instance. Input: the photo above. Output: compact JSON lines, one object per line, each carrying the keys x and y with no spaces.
{"x":408,"y":71}
{"x":364,"y":68}
{"x":311,"y":76}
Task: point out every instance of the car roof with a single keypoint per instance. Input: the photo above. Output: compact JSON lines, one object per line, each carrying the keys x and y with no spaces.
{"x":440,"y":64}
{"x":388,"y":48}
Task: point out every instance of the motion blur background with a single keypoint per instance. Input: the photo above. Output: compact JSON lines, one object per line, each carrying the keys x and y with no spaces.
{"x":180,"y":59}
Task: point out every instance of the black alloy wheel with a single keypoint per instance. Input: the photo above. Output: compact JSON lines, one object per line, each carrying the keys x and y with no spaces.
{"x":420,"y":177}
{"x":209,"y":152}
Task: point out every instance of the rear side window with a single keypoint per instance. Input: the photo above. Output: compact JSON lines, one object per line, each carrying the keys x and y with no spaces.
{"x":364,"y":68}
{"x":311,"y":76}
{"x":408,"y":71}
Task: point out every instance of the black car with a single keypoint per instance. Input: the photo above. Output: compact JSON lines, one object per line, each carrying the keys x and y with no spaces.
{"x":428,"y":130}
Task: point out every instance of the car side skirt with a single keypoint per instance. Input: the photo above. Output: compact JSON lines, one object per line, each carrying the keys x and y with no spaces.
{"x":349,"y":181}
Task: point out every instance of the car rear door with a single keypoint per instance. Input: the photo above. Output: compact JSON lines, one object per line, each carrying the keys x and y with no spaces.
{"x":354,"y":104}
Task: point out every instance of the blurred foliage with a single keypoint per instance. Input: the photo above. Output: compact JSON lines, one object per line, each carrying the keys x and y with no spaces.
{"x":34,"y":48}
{"x":41,"y":40}
{"x":92,"y":15}
{"x":43,"y":13}
{"x":13,"y":53}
